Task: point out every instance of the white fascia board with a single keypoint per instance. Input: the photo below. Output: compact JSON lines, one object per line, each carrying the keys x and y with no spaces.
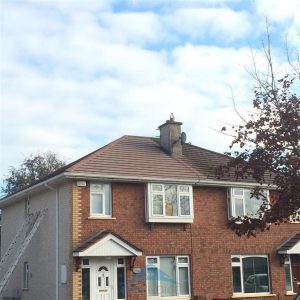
{"x":108,"y":177}
{"x":197,"y":182}
{"x":19,"y":195}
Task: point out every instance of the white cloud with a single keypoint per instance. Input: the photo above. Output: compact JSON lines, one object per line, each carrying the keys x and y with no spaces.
{"x":75,"y":77}
{"x":222,"y":23}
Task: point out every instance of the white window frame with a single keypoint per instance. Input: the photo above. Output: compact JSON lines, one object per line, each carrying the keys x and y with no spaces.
{"x":98,"y":191}
{"x":178,"y":265}
{"x":240,"y":265}
{"x":232,"y":200}
{"x":287,"y":262}
{"x":180,"y":218}
{"x":25,"y":275}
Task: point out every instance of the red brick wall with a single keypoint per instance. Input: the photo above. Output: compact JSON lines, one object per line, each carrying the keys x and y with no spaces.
{"x":208,"y":241}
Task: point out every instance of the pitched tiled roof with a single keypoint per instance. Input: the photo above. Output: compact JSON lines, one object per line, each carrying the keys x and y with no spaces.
{"x":289,"y":244}
{"x":142,"y":157}
{"x":134,"y":156}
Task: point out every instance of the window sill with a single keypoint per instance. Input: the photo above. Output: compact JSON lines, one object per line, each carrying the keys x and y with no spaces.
{"x":101,"y":218}
{"x":184,"y":220}
{"x":290,"y":294}
{"x":254,"y":295}
{"x":171,"y":298}
{"x":25,"y":289}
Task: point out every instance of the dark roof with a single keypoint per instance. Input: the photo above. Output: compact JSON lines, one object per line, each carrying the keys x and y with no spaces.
{"x":289,"y":244}
{"x":99,"y":236}
{"x":138,"y":157}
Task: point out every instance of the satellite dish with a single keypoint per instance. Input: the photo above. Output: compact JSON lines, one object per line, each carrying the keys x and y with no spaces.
{"x":183,"y":138}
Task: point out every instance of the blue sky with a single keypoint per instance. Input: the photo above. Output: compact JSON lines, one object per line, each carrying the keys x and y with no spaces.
{"x":76,"y":75}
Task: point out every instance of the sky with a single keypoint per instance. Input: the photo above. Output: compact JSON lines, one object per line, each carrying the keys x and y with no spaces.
{"x":76,"y":75}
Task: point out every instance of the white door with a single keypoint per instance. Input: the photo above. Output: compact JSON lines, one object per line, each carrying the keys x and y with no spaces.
{"x":103,"y":280}
{"x":104,"y":286}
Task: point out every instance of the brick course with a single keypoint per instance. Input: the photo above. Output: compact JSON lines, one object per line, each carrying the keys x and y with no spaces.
{"x":208,"y":241}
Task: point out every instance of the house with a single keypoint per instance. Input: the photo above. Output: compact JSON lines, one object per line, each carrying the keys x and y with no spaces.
{"x":142,"y":218}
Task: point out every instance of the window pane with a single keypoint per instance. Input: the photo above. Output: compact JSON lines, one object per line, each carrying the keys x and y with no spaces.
{"x":253,"y":204}
{"x":255,"y":272}
{"x":120,"y":261}
{"x":85,"y":261}
{"x":25,"y":275}
{"x":96,"y":187}
{"x":184,"y":188}
{"x":107,"y":199}
{"x":239,"y":209}
{"x":185,"y":205}
{"x":183,"y":260}
{"x":171,"y":200}
{"x":288,"y":279}
{"x":158,"y":204}
{"x":157,"y":187}
{"x":121,"y":283}
{"x":236,"y":278}
{"x":97,"y":203}
{"x":85,"y":284}
{"x":152,"y":260}
{"x":152,"y":278}
{"x":183,"y":281}
{"x":167,"y":276}
{"x":238,"y":192}
{"x":235,"y":259}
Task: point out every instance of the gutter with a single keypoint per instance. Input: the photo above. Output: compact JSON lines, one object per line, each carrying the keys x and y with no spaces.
{"x":199,"y":182}
{"x":94,"y":176}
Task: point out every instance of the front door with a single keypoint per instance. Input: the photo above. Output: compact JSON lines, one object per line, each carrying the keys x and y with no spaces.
{"x":102,"y":279}
{"x":295,"y":261}
{"x":104,"y":282}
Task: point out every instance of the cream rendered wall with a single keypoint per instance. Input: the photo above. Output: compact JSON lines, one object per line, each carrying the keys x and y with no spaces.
{"x":41,"y":252}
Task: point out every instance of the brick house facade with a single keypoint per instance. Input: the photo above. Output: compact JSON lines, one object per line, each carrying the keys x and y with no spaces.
{"x":147,"y":219}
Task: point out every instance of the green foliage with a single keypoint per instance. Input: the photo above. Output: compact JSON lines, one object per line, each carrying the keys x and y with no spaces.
{"x":32,"y":169}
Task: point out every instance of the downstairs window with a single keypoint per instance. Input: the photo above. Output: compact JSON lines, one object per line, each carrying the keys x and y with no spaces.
{"x":250,"y":274}
{"x":168,"y":276}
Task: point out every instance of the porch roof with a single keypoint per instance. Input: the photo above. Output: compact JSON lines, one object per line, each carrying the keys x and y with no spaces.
{"x":106,"y":243}
{"x":290,"y":246}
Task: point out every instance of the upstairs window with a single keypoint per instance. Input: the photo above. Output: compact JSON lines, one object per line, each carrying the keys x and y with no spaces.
{"x":100,"y":200}
{"x":241,"y":203}
{"x":170,"y":203}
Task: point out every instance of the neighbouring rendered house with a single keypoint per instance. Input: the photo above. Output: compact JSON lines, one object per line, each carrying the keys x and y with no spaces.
{"x":142,"y":218}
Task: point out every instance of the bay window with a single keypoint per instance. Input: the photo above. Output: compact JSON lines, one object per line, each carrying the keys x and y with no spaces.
{"x":168,"y":276}
{"x":170,"y":203}
{"x":250,"y":274}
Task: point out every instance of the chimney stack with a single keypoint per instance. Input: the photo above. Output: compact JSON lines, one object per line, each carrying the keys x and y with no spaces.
{"x":170,"y":137}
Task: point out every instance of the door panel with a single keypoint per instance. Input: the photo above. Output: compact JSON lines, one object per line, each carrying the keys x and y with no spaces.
{"x":104,"y":287}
